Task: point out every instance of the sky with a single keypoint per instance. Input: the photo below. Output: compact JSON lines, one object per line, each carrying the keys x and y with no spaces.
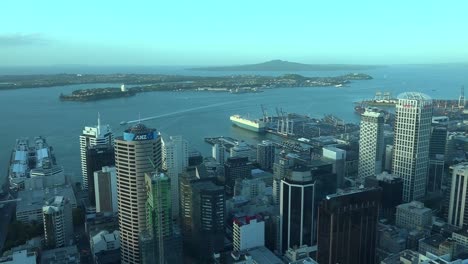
{"x":226,"y":32}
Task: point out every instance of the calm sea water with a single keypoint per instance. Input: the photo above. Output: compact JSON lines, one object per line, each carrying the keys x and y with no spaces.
{"x":195,"y":115}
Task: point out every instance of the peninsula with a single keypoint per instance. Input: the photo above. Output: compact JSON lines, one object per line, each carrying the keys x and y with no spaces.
{"x":234,"y":84}
{"x":280,"y":65}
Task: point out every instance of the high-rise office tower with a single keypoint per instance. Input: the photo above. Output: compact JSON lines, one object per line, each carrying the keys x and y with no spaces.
{"x":371,"y":144}
{"x":208,"y":206}
{"x":98,"y":135}
{"x":218,"y":152}
{"x":105,"y":186}
{"x":266,"y":154}
{"x":458,"y":206}
{"x":137,"y":152}
{"x":158,"y":236}
{"x":411,"y":145}
{"x":175,"y":160}
{"x":58,"y":222}
{"x":392,"y":193}
{"x":297,"y":201}
{"x":235,"y":168}
{"x":248,"y":232}
{"x":347,"y":227}
{"x":437,"y":147}
{"x":97,"y":156}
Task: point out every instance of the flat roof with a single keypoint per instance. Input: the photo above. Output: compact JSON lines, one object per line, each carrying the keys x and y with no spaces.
{"x":262,"y":255}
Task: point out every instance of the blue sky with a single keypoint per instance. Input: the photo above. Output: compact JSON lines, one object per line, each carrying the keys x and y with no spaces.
{"x":176,"y":32}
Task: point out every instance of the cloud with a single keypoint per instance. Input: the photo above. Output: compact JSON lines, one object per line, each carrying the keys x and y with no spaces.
{"x":18,"y":39}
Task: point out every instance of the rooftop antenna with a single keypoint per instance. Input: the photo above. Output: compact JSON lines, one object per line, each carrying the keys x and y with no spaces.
{"x":139,"y":117}
{"x":461,"y":99}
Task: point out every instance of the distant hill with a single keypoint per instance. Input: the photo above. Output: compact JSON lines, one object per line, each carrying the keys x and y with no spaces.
{"x":280,"y":65}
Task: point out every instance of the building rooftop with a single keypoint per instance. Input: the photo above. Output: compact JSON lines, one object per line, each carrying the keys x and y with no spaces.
{"x":414,"y":96}
{"x":434,"y":240}
{"x":34,"y":199}
{"x":63,"y":255}
{"x":20,"y":257}
{"x":415,"y":207}
{"x":261,"y":255}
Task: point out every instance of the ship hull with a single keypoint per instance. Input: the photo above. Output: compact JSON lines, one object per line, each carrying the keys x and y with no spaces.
{"x":247,"y":127}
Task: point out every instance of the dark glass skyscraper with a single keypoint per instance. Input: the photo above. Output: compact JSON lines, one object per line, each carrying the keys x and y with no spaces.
{"x":235,"y":168}
{"x":347,"y":227}
{"x":97,"y":157}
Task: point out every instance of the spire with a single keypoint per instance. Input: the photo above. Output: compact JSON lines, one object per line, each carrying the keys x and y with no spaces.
{"x":98,"y":123}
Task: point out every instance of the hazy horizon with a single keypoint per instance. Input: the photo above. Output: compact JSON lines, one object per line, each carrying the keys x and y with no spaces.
{"x":212,"y":33}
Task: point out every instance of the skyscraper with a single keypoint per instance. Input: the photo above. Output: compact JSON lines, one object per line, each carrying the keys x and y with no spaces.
{"x":208,"y":206}
{"x":98,"y":135}
{"x":347,"y":227}
{"x":411,"y":145}
{"x":97,"y":156}
{"x":297,"y":201}
{"x":58,"y":222}
{"x":371,"y":143}
{"x":175,"y":160}
{"x":137,"y":152}
{"x":458,"y":206}
{"x":266,"y":154}
{"x":437,"y":147}
{"x":159,"y":233}
{"x":235,"y":168}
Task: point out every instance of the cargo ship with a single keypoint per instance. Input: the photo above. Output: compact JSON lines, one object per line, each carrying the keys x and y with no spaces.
{"x":255,"y":125}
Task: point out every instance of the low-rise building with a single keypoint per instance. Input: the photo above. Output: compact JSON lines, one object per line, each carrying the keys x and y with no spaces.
{"x":68,"y":255}
{"x":413,"y":215}
{"x":20,"y":257}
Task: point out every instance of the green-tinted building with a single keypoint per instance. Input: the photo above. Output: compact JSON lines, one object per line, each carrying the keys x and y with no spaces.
{"x":159,"y":235}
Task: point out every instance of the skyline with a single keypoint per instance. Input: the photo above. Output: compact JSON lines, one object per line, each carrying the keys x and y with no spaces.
{"x":182,"y":33}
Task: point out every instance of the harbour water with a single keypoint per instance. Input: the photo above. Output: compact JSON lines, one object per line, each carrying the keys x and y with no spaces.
{"x":195,"y":115}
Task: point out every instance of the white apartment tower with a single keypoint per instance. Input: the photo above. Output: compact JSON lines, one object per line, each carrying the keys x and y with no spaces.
{"x":458,"y":209}
{"x":175,"y":160}
{"x":411,"y":143}
{"x":137,"y":152}
{"x":371,"y":144}
{"x":92,"y":136}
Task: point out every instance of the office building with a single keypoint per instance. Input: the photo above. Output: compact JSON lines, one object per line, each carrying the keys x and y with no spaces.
{"x":97,"y":156}
{"x":437,"y":147}
{"x":218,"y":152}
{"x":105,"y":186}
{"x":458,"y":206}
{"x":392,"y":192}
{"x":411,"y":145}
{"x":413,"y":215}
{"x":297,"y":209}
{"x":235,"y":168}
{"x":208,"y":207}
{"x":241,"y":149}
{"x":58,"y":222}
{"x":248,"y":232}
{"x":92,"y":136}
{"x":49,"y":175}
{"x":175,"y":160}
{"x":280,"y":170}
{"x":347,"y":227}
{"x":266,"y":155}
{"x":338,"y":157}
{"x":20,"y":257}
{"x":137,"y":152}
{"x":158,"y":242}
{"x":104,"y":243}
{"x":388,"y":158}
{"x":30,"y":203}
{"x":371,"y":144}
